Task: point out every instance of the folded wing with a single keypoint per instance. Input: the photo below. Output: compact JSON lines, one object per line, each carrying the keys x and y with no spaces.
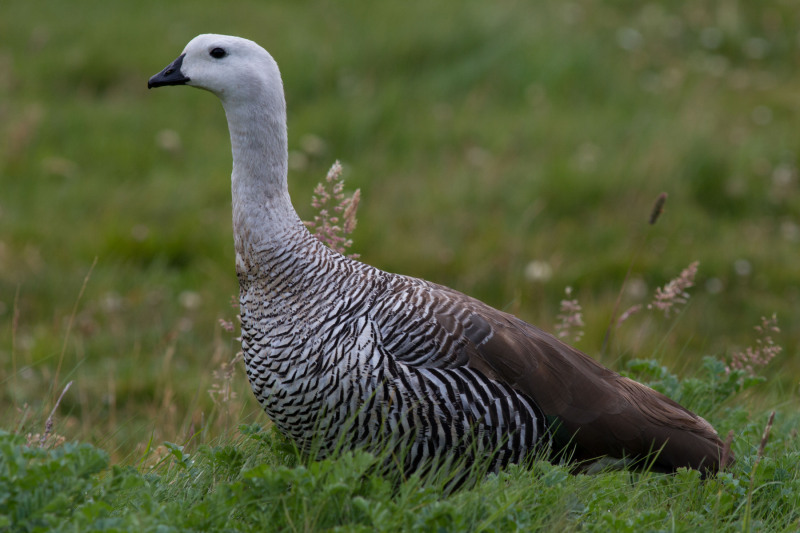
{"x":595,"y":411}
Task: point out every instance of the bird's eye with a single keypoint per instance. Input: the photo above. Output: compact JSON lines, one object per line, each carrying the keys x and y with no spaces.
{"x":218,"y":53}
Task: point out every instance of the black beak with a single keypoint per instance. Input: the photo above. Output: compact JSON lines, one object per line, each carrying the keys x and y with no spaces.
{"x":171,"y":75}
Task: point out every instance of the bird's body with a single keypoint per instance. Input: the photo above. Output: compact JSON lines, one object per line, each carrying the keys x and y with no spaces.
{"x":340,"y":353}
{"x":335,"y":357}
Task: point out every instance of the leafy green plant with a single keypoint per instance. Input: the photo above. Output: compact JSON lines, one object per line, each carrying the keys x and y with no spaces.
{"x":40,"y":487}
{"x":244,"y":486}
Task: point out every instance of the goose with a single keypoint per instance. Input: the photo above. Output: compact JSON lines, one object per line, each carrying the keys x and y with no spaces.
{"x":342,"y":354}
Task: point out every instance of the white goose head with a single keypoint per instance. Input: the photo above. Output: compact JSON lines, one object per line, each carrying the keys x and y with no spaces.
{"x":233,"y":68}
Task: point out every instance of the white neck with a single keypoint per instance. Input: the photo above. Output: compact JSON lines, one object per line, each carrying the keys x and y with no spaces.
{"x":262,"y":210}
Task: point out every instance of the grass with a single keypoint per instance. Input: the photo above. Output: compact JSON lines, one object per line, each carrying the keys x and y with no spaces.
{"x":255,"y":484}
{"x":482,"y":138}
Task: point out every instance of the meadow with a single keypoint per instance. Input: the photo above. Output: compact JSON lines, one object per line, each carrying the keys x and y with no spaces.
{"x":504,"y":149}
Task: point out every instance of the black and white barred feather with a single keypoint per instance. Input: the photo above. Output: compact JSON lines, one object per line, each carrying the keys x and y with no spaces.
{"x":340,"y":353}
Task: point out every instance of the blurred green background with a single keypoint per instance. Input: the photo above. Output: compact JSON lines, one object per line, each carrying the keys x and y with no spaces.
{"x":507,"y":149}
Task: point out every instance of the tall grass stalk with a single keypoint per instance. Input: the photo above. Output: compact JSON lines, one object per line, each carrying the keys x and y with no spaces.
{"x":14,"y":327}
{"x":747,"y":519}
{"x":655,"y":214}
{"x":48,"y":425}
{"x":70,"y":322}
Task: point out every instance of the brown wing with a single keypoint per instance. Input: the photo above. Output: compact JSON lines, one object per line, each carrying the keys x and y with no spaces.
{"x":608,"y":414}
{"x":600,"y":412}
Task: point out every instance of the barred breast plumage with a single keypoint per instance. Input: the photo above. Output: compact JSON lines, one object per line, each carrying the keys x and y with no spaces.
{"x":324,"y":339}
{"x":343,"y":354}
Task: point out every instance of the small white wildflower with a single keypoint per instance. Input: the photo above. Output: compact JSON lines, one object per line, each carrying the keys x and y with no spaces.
{"x":538,"y":270}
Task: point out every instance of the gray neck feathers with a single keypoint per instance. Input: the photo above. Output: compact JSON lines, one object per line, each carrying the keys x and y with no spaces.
{"x":262,"y":209}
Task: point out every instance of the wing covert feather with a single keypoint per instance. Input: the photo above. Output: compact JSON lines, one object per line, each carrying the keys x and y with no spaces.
{"x":602,"y":412}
